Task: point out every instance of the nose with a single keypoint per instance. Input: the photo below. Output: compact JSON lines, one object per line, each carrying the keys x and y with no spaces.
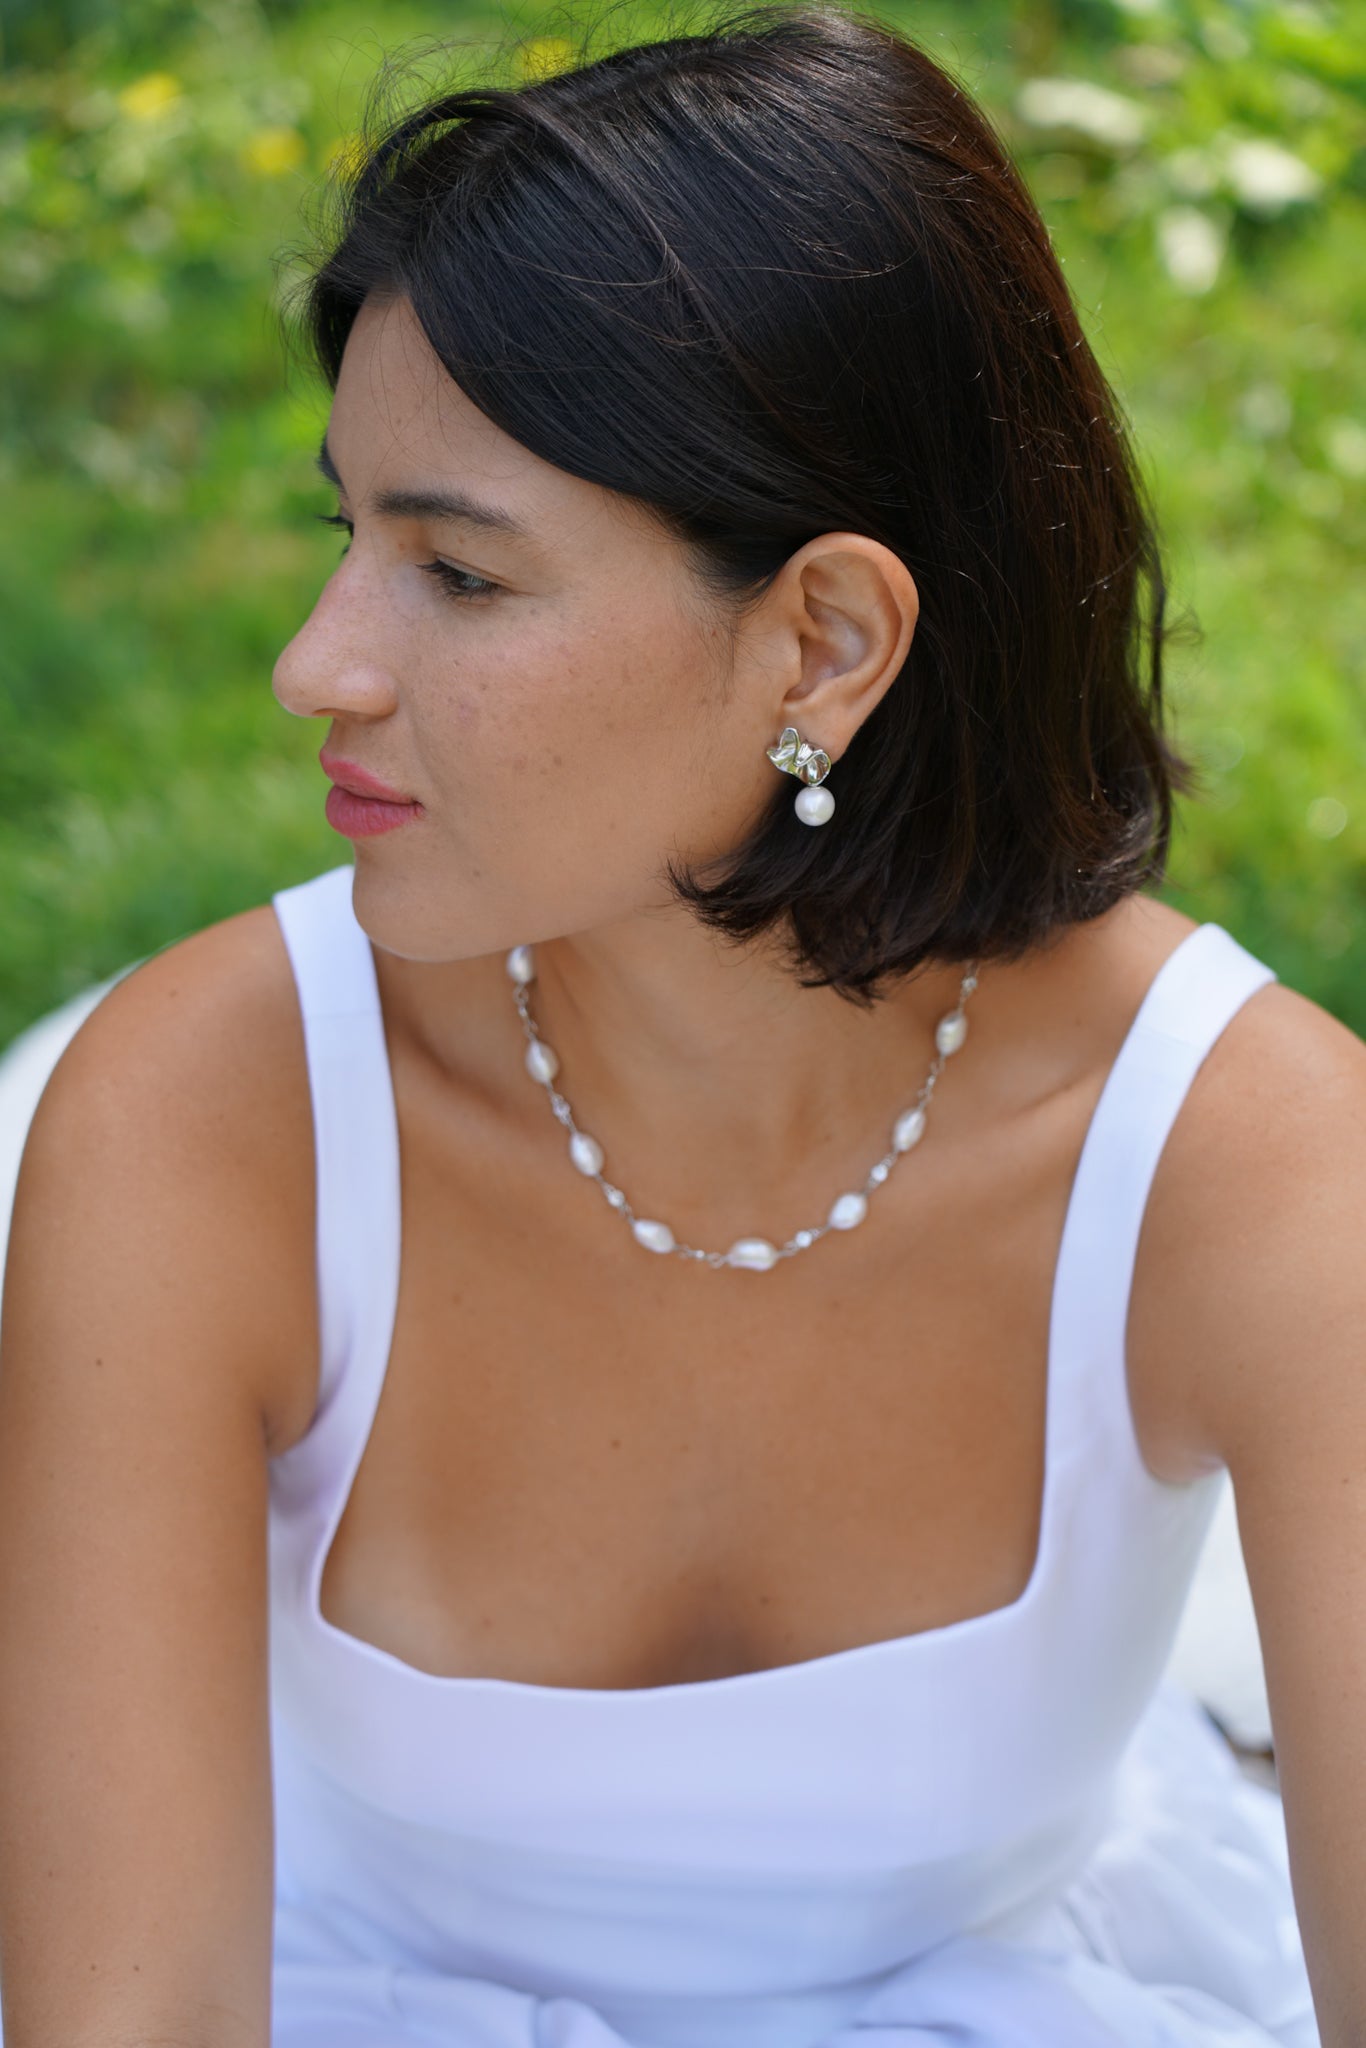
{"x":338,"y":663}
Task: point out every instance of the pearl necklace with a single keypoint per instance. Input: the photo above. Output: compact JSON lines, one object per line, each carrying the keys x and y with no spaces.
{"x":752,"y":1254}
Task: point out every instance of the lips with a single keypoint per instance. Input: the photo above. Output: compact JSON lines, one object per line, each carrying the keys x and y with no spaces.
{"x":360,"y":806}
{"x":350,"y":775}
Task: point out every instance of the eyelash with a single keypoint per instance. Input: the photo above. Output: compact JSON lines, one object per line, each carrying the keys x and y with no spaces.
{"x":455,"y":582}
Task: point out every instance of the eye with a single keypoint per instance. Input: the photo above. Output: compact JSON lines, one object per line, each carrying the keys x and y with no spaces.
{"x":455,"y":582}
{"x":335,"y":519}
{"x":459,"y":582}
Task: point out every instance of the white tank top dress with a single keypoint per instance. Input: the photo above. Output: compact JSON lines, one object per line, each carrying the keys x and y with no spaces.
{"x":1009,"y":1832}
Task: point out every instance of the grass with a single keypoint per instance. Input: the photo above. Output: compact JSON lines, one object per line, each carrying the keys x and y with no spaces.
{"x":156,"y":454}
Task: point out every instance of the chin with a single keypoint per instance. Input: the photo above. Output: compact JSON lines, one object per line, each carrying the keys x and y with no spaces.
{"x":402,"y":915}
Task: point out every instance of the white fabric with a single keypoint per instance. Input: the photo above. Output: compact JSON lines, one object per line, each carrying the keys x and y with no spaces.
{"x":1216,"y":1655}
{"x":24,"y":1070}
{"x":1017,"y":1831}
{"x":1011,"y":1832}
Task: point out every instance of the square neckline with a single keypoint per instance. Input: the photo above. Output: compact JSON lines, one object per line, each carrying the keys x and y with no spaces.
{"x":806,"y":1669}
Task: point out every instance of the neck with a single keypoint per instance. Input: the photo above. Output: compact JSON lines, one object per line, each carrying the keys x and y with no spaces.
{"x":727,"y":1098}
{"x":676,"y":1046}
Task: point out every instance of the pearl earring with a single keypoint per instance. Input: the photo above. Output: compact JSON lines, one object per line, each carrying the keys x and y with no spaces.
{"x":811,"y":765}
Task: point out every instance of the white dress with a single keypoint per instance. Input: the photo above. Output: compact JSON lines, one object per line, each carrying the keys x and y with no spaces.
{"x":1008,"y":1832}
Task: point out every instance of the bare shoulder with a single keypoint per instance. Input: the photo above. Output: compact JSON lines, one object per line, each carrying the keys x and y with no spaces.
{"x":1250,"y":1247}
{"x":191,"y":1073}
{"x":1250,"y":1312}
{"x":202,"y":1042}
{"x":158,"y":1273}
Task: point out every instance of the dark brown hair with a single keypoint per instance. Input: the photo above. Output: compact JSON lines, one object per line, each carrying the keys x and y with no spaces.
{"x":778,"y":278}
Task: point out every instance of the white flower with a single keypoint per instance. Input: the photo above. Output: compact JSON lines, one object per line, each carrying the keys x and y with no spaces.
{"x":1191,"y":247}
{"x":1345,"y":442}
{"x":1102,"y":116}
{"x":1266,"y":178}
{"x":1150,"y":64}
{"x":1326,"y":817}
{"x":1224,"y":40}
{"x":1192,"y":173}
{"x":1265,"y":410}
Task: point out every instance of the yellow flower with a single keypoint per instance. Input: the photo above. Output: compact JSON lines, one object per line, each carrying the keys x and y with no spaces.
{"x":273,"y":151}
{"x":542,"y":56}
{"x":148,"y":97}
{"x":344,"y":157}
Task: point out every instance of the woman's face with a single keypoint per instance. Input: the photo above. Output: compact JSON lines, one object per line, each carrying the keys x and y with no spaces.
{"x":557,"y":700}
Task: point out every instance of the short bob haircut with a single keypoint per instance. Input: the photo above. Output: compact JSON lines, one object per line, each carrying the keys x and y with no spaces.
{"x":775,"y":279}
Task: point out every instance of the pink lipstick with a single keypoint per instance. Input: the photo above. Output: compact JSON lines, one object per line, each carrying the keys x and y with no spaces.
{"x":360,"y":805}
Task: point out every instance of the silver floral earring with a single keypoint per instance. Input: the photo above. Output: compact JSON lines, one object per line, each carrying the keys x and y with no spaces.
{"x":811,"y":765}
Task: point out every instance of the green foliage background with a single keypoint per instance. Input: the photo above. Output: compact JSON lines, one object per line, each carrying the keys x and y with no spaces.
{"x":1202,"y":166}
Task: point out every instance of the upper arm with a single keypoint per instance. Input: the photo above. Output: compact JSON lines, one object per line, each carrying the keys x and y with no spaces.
{"x":136,"y":1362}
{"x":1260,"y":1241}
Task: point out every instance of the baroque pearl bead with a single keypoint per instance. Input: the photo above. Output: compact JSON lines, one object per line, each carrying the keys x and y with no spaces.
{"x":586,"y":1153}
{"x":908,"y":1129}
{"x":814,"y":806}
{"x":541,"y":1063}
{"x":752,"y":1254}
{"x":950,"y":1031}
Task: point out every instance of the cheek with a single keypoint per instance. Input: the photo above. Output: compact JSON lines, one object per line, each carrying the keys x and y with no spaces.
{"x":467,"y":715}
{"x":570,"y":755}
{"x":563,"y":764}
{"x":611,"y":705}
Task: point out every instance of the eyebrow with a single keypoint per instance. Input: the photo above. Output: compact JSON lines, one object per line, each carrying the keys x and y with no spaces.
{"x":430,"y":503}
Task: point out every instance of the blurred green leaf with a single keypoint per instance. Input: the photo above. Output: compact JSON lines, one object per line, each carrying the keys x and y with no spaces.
{"x":1201,"y":165}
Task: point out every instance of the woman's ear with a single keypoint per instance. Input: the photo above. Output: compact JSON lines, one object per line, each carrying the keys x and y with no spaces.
{"x":848,"y":607}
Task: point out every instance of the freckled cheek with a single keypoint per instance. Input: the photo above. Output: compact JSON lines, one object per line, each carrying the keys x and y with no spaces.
{"x":506,"y":741}
{"x":452,"y":724}
{"x":467,"y":712}
{"x":568,"y":722}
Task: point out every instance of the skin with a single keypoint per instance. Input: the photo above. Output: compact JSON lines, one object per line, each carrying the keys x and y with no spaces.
{"x":565,"y":733}
{"x":629,"y":1472}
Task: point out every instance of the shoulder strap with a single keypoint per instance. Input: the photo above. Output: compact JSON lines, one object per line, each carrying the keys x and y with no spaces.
{"x":1196,"y":992}
{"x":355,"y":1132}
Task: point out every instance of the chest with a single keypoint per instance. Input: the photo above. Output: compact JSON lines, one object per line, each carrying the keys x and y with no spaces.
{"x":592,"y":1466}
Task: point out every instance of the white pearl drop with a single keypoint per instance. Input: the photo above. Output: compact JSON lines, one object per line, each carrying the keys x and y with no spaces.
{"x":752,"y":1254}
{"x":814,"y":806}
{"x":586,"y":1153}
{"x":848,"y":1212}
{"x":519,"y":965}
{"x":950,"y":1031}
{"x":541,"y":1063}
{"x":908,"y":1129}
{"x":804,"y":1238}
{"x":656,"y":1237}
{"x":877,"y":1174}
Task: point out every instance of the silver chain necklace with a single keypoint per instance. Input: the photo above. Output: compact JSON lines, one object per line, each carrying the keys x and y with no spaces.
{"x":751,"y":1254}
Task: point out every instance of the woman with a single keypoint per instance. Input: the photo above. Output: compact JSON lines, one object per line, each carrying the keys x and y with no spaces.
{"x":713,"y":1588}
